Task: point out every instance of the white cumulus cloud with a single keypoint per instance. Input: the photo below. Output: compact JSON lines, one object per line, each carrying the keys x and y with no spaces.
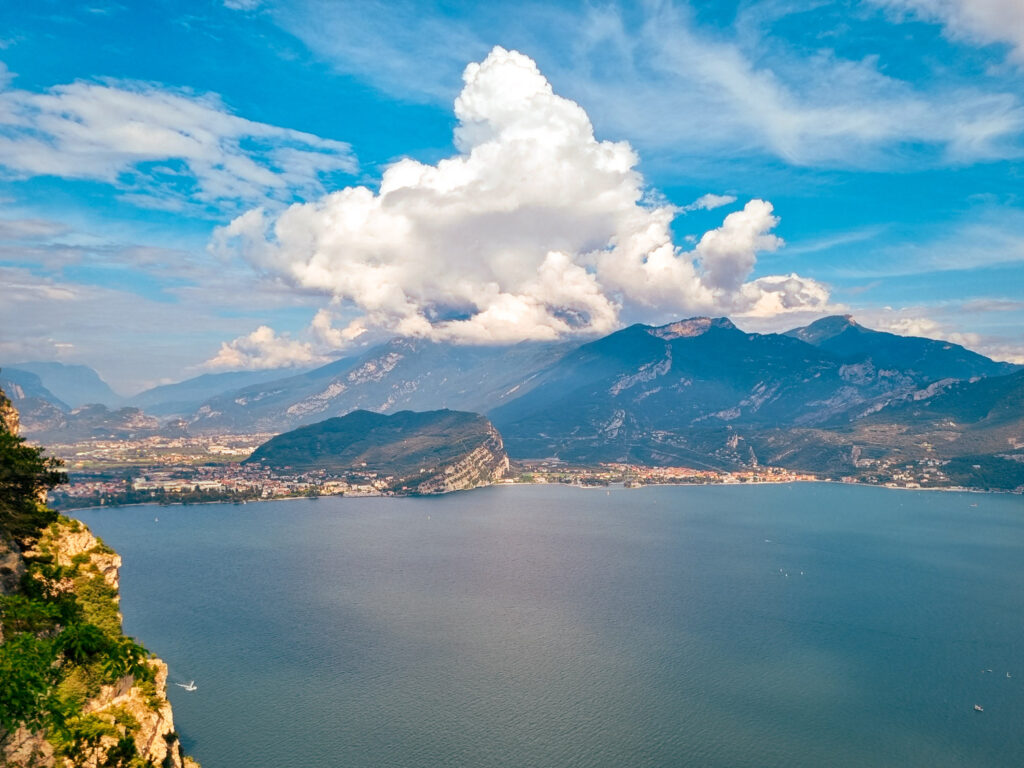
{"x":263,"y":348}
{"x":535,"y":229}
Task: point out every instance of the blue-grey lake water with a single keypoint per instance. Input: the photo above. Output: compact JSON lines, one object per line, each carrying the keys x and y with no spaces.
{"x":544,"y":626}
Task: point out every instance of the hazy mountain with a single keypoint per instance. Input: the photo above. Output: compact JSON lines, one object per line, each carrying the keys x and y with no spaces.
{"x":38,"y":406}
{"x":184,"y":397}
{"x":400,"y":374}
{"x":74,"y":384}
{"x":427,"y":452}
{"x":47,"y":418}
{"x":97,"y":422}
{"x":924,"y":359}
{"x":23,"y":385}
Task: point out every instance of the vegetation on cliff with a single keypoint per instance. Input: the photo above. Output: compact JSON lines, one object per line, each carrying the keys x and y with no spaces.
{"x":73,"y":689}
{"x":25,"y":474}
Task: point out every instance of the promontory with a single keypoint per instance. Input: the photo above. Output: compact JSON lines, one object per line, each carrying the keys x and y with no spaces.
{"x":416,"y":452}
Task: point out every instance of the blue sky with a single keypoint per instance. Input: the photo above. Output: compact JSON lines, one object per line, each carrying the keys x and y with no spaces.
{"x":204,"y":186}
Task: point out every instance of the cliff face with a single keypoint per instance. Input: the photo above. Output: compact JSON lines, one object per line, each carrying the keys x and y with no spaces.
{"x":136,"y":709}
{"x":416,"y":451}
{"x":485,"y":464}
{"x":74,"y":691}
{"x":155,"y":737}
{"x":9,"y":419}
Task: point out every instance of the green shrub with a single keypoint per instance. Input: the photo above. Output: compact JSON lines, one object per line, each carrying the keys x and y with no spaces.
{"x":99,"y":604}
{"x":79,"y":685}
{"x":28,"y":675}
{"x":18,"y":613}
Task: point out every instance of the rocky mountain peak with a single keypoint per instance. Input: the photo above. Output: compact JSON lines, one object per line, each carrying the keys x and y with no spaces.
{"x":694,"y":326}
{"x":825,"y":328}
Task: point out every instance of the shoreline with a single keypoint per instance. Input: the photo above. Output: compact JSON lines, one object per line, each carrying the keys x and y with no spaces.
{"x":577,"y":486}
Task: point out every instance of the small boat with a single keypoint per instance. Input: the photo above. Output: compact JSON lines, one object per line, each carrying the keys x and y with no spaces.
{"x":978,"y":708}
{"x":191,"y":686}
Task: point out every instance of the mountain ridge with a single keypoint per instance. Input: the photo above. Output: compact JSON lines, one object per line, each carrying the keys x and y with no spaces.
{"x":932,"y":359}
{"x":184,"y":397}
{"x":400,"y":374}
{"x":74,"y":384}
{"x":697,"y":391}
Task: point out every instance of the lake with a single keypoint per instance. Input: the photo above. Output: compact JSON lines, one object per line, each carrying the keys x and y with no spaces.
{"x":531,"y":626}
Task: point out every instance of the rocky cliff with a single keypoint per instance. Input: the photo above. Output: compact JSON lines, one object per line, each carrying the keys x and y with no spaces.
{"x":412,"y":451}
{"x":9,"y":421}
{"x":127,"y":708}
{"x":482,"y":466}
{"x":74,"y":691}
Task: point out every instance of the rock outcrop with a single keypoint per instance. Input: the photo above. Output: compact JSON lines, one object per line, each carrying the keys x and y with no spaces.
{"x":73,"y":690}
{"x":409,"y":452}
{"x":137,"y":709}
{"x":483,"y":465}
{"x":9,"y":419}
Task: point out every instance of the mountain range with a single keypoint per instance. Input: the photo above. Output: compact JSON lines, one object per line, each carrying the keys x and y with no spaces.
{"x":698,"y":390}
{"x":185,"y":397}
{"x":74,"y":385}
{"x":832,"y":397}
{"x":402,"y":374}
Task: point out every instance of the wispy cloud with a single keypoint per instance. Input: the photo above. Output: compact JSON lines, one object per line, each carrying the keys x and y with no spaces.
{"x":975,"y":21}
{"x":655,"y":75}
{"x":709,"y":202}
{"x":403,"y":47}
{"x":834,"y":240}
{"x":30,"y":229}
{"x":723,"y":93}
{"x":993,"y":305}
{"x":161,"y":147}
{"x":991,"y":237}
{"x":242,"y":5}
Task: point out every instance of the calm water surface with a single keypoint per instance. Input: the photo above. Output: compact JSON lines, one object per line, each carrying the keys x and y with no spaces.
{"x":803,"y":625}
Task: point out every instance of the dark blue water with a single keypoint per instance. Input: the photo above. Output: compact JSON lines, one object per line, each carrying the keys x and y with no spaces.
{"x":549,"y":626}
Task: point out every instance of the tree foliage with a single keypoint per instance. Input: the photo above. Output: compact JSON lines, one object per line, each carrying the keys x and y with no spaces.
{"x":25,"y":472}
{"x":60,"y":633}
